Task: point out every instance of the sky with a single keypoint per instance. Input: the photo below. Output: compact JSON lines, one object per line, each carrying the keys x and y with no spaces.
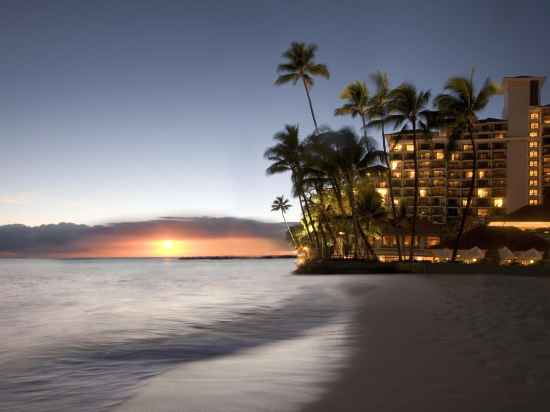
{"x":133,"y":110}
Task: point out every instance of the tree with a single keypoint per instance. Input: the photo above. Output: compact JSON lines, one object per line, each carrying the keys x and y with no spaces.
{"x":286,"y":156}
{"x":281,"y":204}
{"x":409,"y":109}
{"x":379,"y":110}
{"x":353,"y":157}
{"x":300,"y":65}
{"x":356,"y":97}
{"x":462,"y":102}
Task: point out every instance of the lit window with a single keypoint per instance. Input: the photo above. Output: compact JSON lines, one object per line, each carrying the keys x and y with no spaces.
{"x":455,"y":156}
{"x":394,"y":164}
{"x":482,"y":174}
{"x":382,"y":192}
{"x":396,"y":202}
{"x":547,"y":120}
{"x":534,"y":116}
{"x":397,"y":175}
{"x":469,"y":174}
{"x":467,"y":147}
{"x":534,"y":125}
{"x":533,"y":153}
{"x":533,"y":134}
{"x":498,"y":202}
{"x":533,"y":163}
{"x":410,"y":173}
{"x":533,"y":144}
{"x":410,"y":148}
{"x":398,"y":147}
{"x":533,"y":182}
{"x":482,"y":193}
{"x":533,"y":192}
{"x":499,"y":135}
{"x":423,"y":192}
{"x":464,"y":202}
{"x":533,"y":172}
{"x":533,"y":202}
{"x":439,"y":155}
{"x":482,"y":212}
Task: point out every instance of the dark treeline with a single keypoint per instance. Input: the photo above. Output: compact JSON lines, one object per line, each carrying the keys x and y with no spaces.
{"x":334,"y":172}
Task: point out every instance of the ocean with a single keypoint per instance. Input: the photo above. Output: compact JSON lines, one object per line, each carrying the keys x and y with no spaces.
{"x":90,"y":335}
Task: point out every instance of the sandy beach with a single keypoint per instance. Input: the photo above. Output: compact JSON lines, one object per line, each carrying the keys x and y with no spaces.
{"x":448,"y":344}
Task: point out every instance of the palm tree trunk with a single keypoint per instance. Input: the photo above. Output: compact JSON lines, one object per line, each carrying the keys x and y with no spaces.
{"x":354,"y":220}
{"x":315,"y":234}
{"x":305,"y":219}
{"x":289,"y":231}
{"x":338,"y":195}
{"x":466,"y":210}
{"x":392,"y":200}
{"x":368,"y":246}
{"x":415,"y":204}
{"x":324,"y":217}
{"x":311,"y":106}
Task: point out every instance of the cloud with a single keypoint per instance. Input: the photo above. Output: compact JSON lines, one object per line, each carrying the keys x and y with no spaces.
{"x":15,"y":199}
{"x":132,"y":238}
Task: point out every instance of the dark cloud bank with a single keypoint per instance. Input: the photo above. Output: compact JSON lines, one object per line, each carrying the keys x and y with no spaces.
{"x":66,"y":238}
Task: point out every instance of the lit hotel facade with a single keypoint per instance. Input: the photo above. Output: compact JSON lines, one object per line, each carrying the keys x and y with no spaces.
{"x":513,"y":161}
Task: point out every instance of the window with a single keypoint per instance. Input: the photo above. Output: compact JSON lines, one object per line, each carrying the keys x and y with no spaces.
{"x":464,"y":202}
{"x":533,"y":182}
{"x":410,"y":174}
{"x":534,"y":116}
{"x":482,"y":193}
{"x":482,"y":174}
{"x":533,"y":202}
{"x":469,"y":174}
{"x":398,"y":147}
{"x":483,"y":212}
{"x":423,"y":192}
{"x":395,"y":164}
{"x":533,"y":134}
{"x":533,"y":153}
{"x":397,"y":175}
{"x":467,"y":147}
{"x":499,"y":135}
{"x":546,"y":119}
{"x":533,"y":192}
{"x":533,"y":144}
{"x":533,"y":163}
{"x":382,"y":192}
{"x":498,"y":202}
{"x":396,"y":202}
{"x":533,"y":172}
{"x":534,"y":125}
{"x":410,"y":148}
{"x":455,"y":156}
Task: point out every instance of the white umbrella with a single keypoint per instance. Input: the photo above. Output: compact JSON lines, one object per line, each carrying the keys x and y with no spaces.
{"x":505,"y":254}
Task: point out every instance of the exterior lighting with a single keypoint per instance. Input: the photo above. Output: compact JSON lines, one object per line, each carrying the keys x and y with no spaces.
{"x":498,"y":202}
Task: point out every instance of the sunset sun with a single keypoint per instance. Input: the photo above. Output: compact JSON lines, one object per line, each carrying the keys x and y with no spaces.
{"x":168,"y":245}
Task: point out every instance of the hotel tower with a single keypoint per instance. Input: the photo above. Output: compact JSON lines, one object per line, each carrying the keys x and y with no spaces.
{"x":513,"y":161}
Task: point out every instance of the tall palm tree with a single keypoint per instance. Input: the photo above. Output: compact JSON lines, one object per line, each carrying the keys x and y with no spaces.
{"x":356,"y":97}
{"x":379,"y":110}
{"x":354,"y":156}
{"x":300,"y":65}
{"x":462,"y":102}
{"x":409,"y":109}
{"x":281,"y":204}
{"x":286,"y":156}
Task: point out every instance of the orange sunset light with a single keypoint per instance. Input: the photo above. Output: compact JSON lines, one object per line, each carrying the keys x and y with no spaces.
{"x":168,"y":247}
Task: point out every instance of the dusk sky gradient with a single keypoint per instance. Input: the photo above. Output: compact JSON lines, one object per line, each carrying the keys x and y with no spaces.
{"x":111,"y":111}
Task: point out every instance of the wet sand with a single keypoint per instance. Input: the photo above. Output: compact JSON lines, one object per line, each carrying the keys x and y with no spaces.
{"x":448,"y":344}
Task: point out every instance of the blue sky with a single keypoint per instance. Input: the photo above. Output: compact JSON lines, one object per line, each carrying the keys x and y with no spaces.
{"x":145,"y":109}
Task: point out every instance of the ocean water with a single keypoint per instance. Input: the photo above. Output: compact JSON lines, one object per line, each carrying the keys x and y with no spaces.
{"x":90,"y":335}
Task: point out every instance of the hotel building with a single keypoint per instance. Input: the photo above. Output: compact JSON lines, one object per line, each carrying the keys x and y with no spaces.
{"x":513,"y":161}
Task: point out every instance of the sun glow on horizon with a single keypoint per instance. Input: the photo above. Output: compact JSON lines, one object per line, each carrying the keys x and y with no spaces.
{"x":169,"y":247}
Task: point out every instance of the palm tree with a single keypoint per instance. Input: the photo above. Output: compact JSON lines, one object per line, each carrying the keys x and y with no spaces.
{"x":379,"y":110}
{"x":370,"y":208}
{"x":286,"y":156}
{"x":462,"y":102}
{"x":281,"y":204}
{"x":356,"y":97}
{"x":354,"y":156}
{"x":300,"y":66}
{"x":409,"y":108}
